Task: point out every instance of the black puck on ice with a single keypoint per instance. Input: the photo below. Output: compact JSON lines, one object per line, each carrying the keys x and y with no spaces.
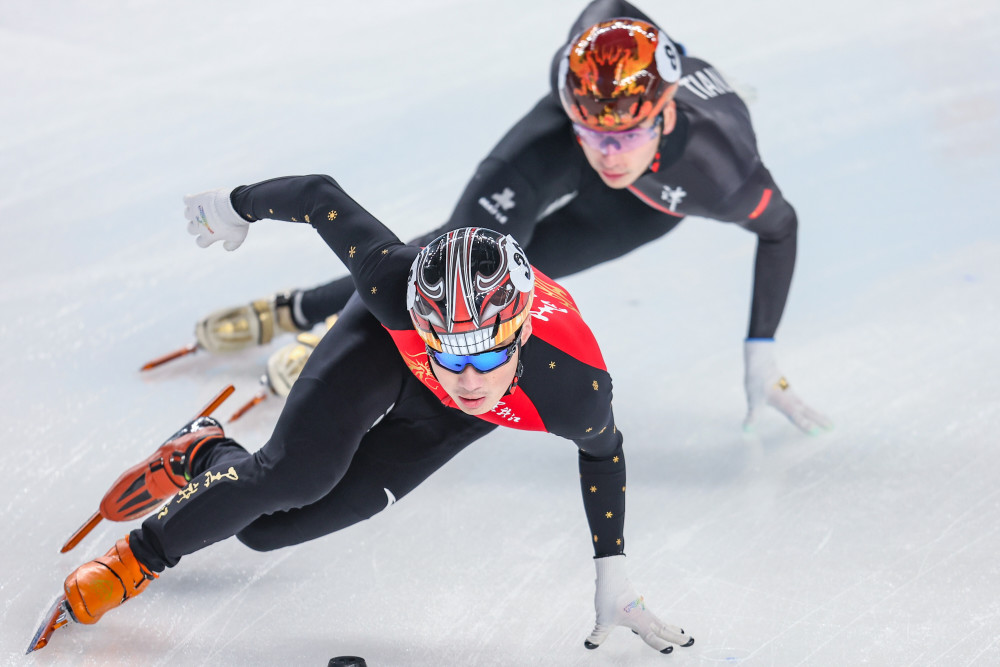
{"x":347,"y":661}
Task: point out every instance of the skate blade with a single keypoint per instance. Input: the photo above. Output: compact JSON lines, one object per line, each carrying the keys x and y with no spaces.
{"x":170,"y":356}
{"x":81,"y":532}
{"x":257,"y":399}
{"x":56,"y":617}
{"x":92,"y":522}
{"x":217,"y":401}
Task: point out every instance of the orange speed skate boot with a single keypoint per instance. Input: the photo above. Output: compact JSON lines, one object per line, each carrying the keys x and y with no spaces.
{"x":145,"y":485}
{"x":99,"y":586}
{"x":93,"y":589}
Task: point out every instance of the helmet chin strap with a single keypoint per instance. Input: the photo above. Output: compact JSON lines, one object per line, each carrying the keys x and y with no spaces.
{"x":520,"y":368}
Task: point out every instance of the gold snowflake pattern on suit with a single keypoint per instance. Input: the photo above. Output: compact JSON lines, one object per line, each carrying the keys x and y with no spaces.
{"x":332,"y":215}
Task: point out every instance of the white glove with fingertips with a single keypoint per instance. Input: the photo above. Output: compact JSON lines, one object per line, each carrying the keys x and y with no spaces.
{"x":211,"y":217}
{"x":617,"y":603}
{"x":765,"y":385}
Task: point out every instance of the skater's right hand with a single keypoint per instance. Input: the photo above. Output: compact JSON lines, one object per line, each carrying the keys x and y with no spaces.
{"x":765,"y":385}
{"x":211,"y":217}
{"x":617,"y":603}
{"x":239,"y":327}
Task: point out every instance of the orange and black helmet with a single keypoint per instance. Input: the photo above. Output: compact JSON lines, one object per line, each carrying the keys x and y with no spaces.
{"x":617,"y":74}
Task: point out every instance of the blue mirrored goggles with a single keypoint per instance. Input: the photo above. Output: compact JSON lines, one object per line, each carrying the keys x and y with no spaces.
{"x":484,"y":362}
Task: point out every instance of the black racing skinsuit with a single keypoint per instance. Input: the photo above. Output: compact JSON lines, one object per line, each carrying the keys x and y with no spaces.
{"x":328,"y":464}
{"x":537,"y":186}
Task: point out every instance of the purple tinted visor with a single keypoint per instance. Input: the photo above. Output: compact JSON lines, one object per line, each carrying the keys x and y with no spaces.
{"x":618,"y":142}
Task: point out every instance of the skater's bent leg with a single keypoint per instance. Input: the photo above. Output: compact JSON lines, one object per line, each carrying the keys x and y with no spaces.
{"x":226,"y":452}
{"x":324,"y":300}
{"x":352,"y":378}
{"x":416,"y":438}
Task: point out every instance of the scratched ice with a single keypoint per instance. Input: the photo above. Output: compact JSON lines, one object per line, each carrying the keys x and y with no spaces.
{"x":875,"y":544}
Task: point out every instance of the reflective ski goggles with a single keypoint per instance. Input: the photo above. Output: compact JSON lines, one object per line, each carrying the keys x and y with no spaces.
{"x":618,"y":142}
{"x":484,"y":362}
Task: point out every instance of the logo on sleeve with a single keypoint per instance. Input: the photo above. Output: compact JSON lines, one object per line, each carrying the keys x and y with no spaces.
{"x":706,"y":83}
{"x":502,"y":201}
{"x":672,"y":196}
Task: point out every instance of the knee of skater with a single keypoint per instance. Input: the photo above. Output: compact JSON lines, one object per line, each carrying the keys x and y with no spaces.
{"x":259,"y":540}
{"x":292,"y":484}
{"x":276,"y":531}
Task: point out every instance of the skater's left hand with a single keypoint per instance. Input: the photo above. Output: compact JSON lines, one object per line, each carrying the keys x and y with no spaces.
{"x":765,"y":385}
{"x":617,"y":603}
{"x":211,"y":217}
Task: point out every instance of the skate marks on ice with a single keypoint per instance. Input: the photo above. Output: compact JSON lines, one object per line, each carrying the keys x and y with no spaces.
{"x":729,"y":656}
{"x":215,"y":633}
{"x":879,"y":544}
{"x":836,"y":546}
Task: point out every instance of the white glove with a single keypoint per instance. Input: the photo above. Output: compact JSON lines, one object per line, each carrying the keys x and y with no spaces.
{"x":766,"y":385}
{"x":617,"y":603}
{"x":211,"y":217}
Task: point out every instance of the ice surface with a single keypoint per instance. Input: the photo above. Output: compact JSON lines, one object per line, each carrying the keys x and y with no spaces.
{"x":875,"y":544}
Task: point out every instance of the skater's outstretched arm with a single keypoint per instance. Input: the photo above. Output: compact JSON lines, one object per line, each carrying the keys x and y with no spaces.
{"x":372,"y":253}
